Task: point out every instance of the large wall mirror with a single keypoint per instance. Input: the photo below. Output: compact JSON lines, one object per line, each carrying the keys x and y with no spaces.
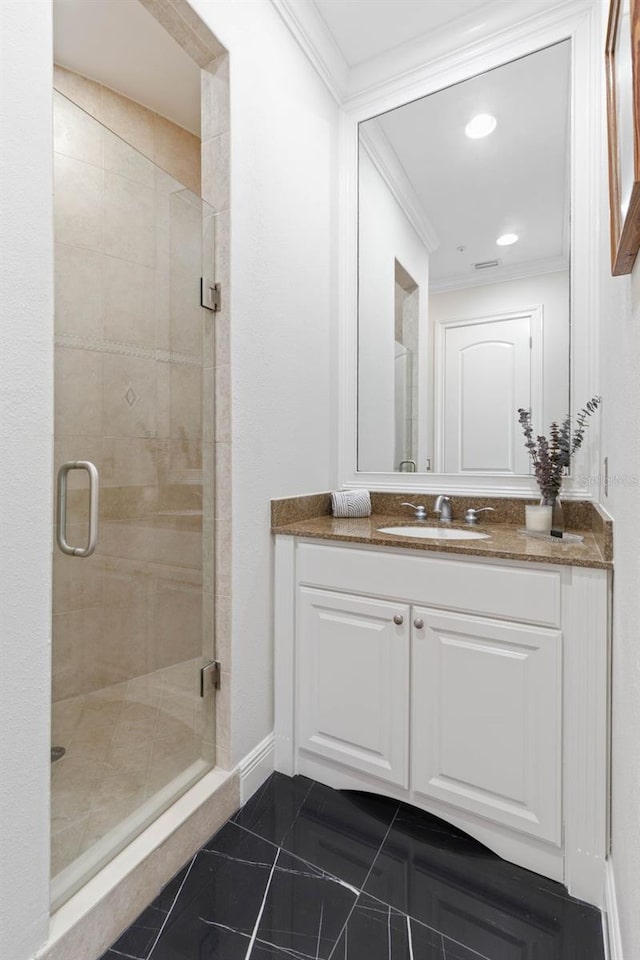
{"x":464,"y":310}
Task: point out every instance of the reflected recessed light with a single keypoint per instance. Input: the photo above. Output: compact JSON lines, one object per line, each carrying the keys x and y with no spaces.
{"x":507,"y":239}
{"x":480,"y":126}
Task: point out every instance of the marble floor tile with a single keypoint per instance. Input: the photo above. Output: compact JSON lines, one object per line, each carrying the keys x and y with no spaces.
{"x":378,"y":932}
{"x":309,"y":873}
{"x":340,"y":831}
{"x":437,"y":874}
{"x":217,"y":910}
{"x":271,"y":811}
{"x":138,"y":940}
{"x":304,"y":910}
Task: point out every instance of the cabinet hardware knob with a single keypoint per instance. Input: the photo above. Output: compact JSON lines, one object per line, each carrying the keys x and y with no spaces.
{"x":418,"y":623}
{"x":398,"y":619}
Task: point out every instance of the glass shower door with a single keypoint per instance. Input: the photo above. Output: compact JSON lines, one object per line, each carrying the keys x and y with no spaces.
{"x":133,"y":617}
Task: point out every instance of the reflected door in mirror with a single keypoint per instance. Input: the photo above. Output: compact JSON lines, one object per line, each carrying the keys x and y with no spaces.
{"x":486,"y":369}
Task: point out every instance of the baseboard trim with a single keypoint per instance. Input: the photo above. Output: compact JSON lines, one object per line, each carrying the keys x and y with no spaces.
{"x":256,"y":767}
{"x":610,"y":917}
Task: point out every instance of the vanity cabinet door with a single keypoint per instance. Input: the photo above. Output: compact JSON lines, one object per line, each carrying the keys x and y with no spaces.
{"x":486,"y":719}
{"x":353,"y":682}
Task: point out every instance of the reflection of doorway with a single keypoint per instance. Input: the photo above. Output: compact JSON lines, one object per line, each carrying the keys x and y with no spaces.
{"x":405,"y":370}
{"x":486,"y":368}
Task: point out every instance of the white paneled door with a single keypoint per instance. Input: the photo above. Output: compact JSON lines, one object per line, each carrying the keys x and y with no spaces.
{"x":486,"y":726}
{"x":353,"y":682}
{"x":486,"y":370}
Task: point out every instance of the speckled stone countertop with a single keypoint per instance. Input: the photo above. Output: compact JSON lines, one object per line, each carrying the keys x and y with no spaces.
{"x":505,"y":541}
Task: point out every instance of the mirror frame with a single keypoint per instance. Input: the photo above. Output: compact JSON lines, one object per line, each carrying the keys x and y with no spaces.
{"x":578,"y":25}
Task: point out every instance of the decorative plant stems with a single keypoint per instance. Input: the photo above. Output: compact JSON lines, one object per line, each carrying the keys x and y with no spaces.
{"x":551,"y":458}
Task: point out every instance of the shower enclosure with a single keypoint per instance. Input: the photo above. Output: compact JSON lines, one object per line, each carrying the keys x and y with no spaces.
{"x":133,"y":577}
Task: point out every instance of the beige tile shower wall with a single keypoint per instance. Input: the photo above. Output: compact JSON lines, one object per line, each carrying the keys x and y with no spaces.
{"x":174,"y":149}
{"x":130,"y":337}
{"x":217,"y":391}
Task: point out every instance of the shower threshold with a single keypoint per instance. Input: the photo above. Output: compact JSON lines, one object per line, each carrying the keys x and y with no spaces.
{"x":73,"y":877}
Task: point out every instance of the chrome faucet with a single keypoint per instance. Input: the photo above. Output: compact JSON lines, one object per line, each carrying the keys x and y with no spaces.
{"x":471,"y":516}
{"x":420,"y":509}
{"x":443,"y":507}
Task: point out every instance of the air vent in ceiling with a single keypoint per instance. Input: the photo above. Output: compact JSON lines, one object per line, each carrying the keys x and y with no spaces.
{"x":485,"y":264}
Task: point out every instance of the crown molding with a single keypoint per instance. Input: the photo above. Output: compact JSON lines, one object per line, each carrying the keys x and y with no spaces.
{"x":464,"y":37}
{"x":400,"y":67}
{"x":494,"y":42}
{"x":482,"y":278}
{"x":316,"y":40}
{"x":385,"y":159}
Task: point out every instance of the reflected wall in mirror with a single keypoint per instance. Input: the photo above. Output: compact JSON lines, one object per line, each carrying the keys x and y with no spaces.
{"x":464,"y":271}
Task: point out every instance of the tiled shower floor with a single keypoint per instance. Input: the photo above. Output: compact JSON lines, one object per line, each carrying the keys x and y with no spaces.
{"x":310,"y":873}
{"x":123,"y":744}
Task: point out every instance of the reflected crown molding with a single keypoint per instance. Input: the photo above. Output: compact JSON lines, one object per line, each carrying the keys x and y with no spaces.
{"x":515,"y":271}
{"x":385,"y":159}
{"x":403,"y":64}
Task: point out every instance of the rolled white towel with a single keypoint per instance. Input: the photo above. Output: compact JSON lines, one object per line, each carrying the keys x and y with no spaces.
{"x":351,"y":503}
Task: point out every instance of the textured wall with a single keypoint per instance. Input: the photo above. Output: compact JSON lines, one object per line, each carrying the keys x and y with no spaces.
{"x":620,"y":387}
{"x":26,"y":390}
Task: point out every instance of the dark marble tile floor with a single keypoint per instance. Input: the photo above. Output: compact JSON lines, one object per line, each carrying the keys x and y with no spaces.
{"x":309,"y":873}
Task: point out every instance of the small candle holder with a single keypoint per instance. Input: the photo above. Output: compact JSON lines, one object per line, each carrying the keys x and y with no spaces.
{"x":538,"y":518}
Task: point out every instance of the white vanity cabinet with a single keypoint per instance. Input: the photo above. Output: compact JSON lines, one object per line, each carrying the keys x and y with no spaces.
{"x":354,"y":682}
{"x":486,"y":719}
{"x":473,"y":688}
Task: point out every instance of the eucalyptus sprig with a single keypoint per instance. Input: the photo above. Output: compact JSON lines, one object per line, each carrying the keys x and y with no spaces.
{"x":551,"y":458}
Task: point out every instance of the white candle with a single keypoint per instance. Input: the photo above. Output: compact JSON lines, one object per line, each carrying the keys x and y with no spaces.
{"x":538,"y":519}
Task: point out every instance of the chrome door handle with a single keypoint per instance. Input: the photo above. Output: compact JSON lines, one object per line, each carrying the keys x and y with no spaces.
{"x":61,"y":523}
{"x":418,"y":623}
{"x":398,"y":620}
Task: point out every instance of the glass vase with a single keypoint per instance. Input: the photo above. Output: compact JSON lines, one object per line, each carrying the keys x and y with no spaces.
{"x":557,"y":513}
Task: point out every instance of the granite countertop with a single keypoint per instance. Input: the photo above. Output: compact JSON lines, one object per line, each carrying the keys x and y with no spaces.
{"x":504,"y":543}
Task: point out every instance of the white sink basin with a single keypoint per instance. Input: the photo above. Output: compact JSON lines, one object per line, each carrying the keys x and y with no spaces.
{"x":434,"y":533}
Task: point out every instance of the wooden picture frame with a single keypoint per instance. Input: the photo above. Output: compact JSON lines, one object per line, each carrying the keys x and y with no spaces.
{"x":622,"y":56}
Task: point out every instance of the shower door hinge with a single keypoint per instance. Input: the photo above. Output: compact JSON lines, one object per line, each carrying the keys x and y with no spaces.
{"x":209,"y":678}
{"x":209,"y":294}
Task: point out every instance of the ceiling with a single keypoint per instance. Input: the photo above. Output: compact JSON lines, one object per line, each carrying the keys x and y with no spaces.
{"x":363,"y":30}
{"x":122,"y":46}
{"x":513,"y":181}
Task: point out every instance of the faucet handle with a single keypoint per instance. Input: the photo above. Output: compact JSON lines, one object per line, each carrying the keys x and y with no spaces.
{"x":420,"y":509}
{"x":471,"y":516}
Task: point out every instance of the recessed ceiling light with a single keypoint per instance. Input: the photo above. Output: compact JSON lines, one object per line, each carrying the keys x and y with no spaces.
{"x":507,"y":239}
{"x":480,"y":126}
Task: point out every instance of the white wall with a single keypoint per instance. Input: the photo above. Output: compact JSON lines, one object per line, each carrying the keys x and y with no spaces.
{"x":620,"y":442}
{"x":284,"y":128}
{"x":26,"y":420}
{"x":552,"y":291}
{"x":385,"y":235}
{"x":619,"y":359}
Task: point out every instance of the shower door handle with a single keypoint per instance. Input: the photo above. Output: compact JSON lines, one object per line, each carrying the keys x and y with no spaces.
{"x":61,"y":525}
